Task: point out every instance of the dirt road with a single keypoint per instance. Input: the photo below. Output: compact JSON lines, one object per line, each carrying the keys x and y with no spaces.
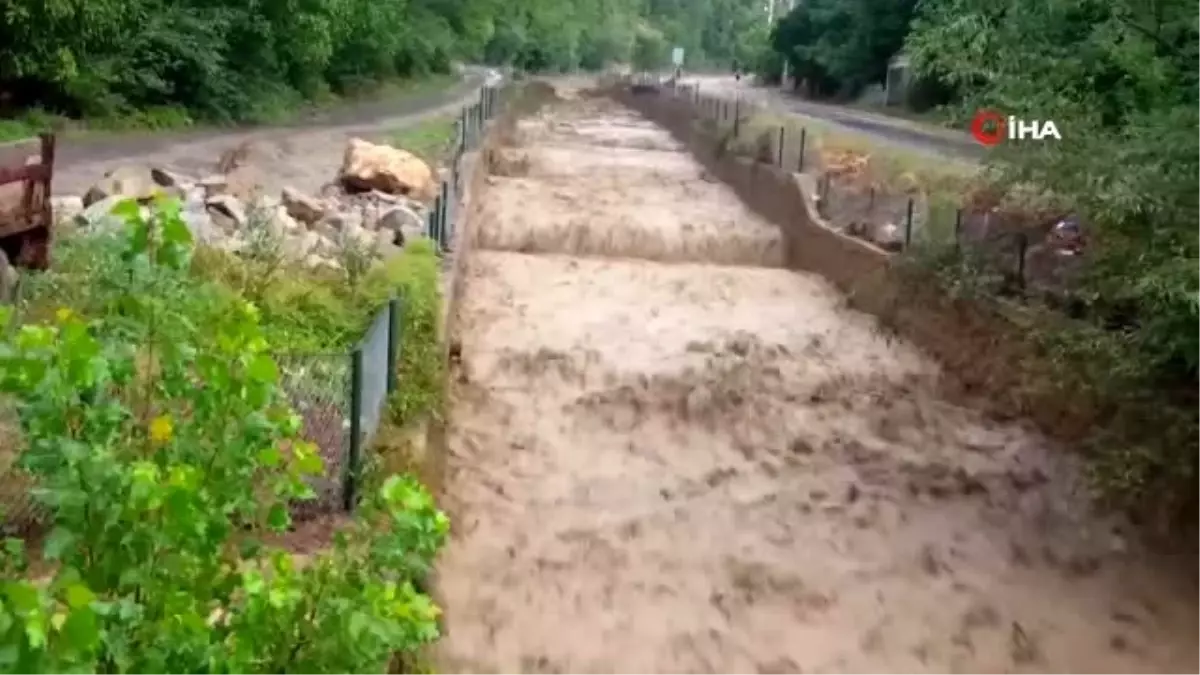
{"x":304,"y":155}
{"x":669,"y":454}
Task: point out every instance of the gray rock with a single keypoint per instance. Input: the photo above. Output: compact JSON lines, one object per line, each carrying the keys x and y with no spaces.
{"x":66,"y":207}
{"x":166,"y":178}
{"x":300,"y":206}
{"x":201,"y":225}
{"x":125,"y":181}
{"x":401,"y":219}
{"x":9,"y":277}
{"x":343,"y":220}
{"x":227,"y":211}
{"x":98,"y":214}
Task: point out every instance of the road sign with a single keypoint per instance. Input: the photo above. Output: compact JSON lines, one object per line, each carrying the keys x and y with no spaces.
{"x":677,"y":56}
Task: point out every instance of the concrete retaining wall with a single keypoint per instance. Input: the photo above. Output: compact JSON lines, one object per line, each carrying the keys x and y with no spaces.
{"x":982,"y":346}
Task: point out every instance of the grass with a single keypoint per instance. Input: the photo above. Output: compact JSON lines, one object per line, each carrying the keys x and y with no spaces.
{"x":271,"y":110}
{"x":431,"y":139}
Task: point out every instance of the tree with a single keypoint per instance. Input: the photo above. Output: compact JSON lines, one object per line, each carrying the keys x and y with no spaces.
{"x":841,"y":46}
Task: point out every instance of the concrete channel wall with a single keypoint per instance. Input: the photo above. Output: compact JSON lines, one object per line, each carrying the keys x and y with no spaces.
{"x":984,"y":347}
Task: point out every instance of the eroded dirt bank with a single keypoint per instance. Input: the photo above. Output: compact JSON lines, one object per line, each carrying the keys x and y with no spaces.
{"x":666,"y":454}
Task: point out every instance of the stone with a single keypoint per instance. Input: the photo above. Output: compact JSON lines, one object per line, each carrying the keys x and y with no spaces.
{"x":9,"y":279}
{"x":342,"y":220}
{"x":888,"y":237}
{"x":302,"y":207}
{"x":66,"y":207}
{"x":128,"y":182}
{"x":366,"y":166}
{"x":229,"y":207}
{"x":401,"y":218}
{"x":404,"y":224}
{"x":201,"y":225}
{"x":98,"y":214}
{"x":284,"y":221}
{"x":166,"y":178}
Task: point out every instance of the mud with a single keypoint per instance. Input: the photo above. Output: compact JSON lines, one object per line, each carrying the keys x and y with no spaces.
{"x":668,"y":454}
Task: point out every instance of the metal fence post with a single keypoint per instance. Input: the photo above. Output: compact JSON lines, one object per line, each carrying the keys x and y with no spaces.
{"x":1022,"y":250}
{"x":908,"y":223}
{"x":462,"y":124}
{"x":393,"y":350}
{"x":782,"y":139}
{"x":431,"y":222}
{"x":447,"y":223}
{"x":803,"y":143}
{"x":957,"y":226}
{"x":737,"y":115}
{"x":354,"y":454}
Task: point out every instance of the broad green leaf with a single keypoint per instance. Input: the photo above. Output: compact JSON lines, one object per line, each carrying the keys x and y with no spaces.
{"x":262,"y":368}
{"x":59,"y":541}
{"x":308,"y":462}
{"x":278,"y":518}
{"x":79,"y":596}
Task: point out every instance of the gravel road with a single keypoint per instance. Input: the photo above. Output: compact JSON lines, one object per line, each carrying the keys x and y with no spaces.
{"x":304,"y":154}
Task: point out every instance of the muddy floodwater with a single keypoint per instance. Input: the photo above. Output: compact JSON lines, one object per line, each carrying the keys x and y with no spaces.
{"x":667,"y":453}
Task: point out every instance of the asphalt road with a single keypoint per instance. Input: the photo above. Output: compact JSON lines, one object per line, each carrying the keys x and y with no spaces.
{"x":894,"y":131}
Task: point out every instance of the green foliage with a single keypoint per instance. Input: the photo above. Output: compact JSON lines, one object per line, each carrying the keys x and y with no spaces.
{"x":430,"y":139}
{"x":417,"y":274}
{"x":840,"y":46}
{"x":164,"y":451}
{"x":1119,"y":79}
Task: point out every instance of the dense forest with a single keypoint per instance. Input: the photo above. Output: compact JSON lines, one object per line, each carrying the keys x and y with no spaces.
{"x":220,"y":60}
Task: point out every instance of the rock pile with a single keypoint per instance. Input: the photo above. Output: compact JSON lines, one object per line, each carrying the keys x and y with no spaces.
{"x":375,"y":205}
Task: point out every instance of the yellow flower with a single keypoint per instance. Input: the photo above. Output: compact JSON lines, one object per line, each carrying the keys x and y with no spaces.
{"x":64,"y":314}
{"x":161,"y":429}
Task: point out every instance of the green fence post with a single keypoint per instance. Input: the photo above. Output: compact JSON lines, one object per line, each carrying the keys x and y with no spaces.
{"x":436,"y":214}
{"x":393,"y":350}
{"x":444,"y":229}
{"x":908,"y":223}
{"x":462,"y":123}
{"x":782,"y":138}
{"x":353,"y":456}
{"x":803,"y":143}
{"x":737,"y":115}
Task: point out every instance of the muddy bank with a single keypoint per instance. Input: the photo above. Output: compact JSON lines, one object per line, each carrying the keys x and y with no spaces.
{"x":666,"y":457}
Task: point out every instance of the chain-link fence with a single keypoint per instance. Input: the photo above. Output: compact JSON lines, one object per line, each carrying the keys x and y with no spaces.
{"x":1005,"y":257}
{"x":341,"y":397}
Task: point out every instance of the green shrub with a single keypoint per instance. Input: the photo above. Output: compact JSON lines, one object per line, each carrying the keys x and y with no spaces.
{"x":164,"y":451}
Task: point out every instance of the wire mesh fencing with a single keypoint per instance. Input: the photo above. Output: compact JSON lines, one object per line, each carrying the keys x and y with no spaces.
{"x":341,"y":397}
{"x":1006,"y":257}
